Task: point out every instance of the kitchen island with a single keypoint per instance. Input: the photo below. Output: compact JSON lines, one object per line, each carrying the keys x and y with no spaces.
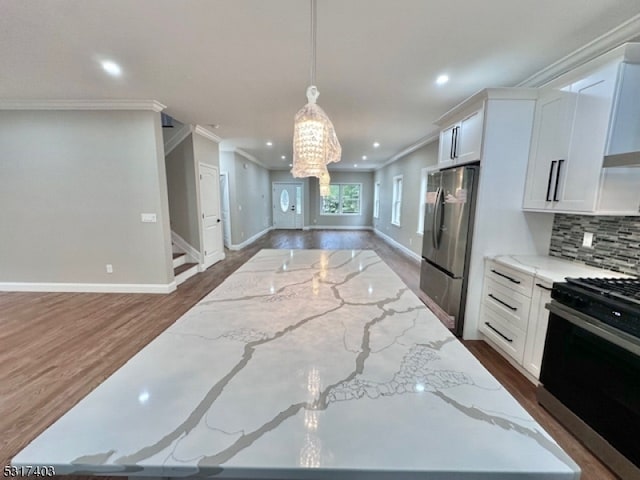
{"x":303,"y":364}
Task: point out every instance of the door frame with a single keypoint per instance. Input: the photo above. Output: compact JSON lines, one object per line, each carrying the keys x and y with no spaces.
{"x":226,"y":236}
{"x":273,"y":186}
{"x":202,"y":265}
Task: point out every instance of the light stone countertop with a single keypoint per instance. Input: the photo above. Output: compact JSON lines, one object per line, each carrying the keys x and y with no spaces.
{"x":303,"y":364}
{"x":552,"y":269}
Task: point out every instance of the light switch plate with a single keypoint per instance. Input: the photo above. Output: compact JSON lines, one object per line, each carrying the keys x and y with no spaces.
{"x":587,"y":240}
{"x":148,"y":217}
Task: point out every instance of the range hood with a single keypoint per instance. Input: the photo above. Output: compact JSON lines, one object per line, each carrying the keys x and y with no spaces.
{"x":623,"y":143}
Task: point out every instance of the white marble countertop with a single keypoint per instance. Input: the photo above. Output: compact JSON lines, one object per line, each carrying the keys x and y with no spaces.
{"x":552,"y":269}
{"x":303,"y":364}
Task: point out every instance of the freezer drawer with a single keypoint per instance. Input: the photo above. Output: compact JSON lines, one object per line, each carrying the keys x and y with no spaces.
{"x":441,"y":288}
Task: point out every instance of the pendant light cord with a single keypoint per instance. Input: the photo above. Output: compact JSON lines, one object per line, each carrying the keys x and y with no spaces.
{"x":313,"y":42}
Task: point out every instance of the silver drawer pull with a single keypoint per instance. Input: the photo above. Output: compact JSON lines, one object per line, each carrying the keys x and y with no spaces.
{"x":498,"y":332}
{"x":505,"y":276}
{"x":503,"y":303}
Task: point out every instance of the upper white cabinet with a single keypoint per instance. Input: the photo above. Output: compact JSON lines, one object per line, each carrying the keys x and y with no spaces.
{"x":565,"y":171}
{"x":461,"y":138}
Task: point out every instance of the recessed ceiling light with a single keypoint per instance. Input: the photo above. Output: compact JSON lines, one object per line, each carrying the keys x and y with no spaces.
{"x":355,"y":164}
{"x":112,"y":68}
{"x":376,"y":144}
{"x":291,"y":164}
{"x":269,"y":143}
{"x":442,"y":79}
{"x":283,"y":157}
{"x":364,"y":157}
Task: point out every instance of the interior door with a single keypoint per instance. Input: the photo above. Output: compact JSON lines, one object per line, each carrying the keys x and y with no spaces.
{"x":211,"y":221}
{"x":287,"y":205}
{"x":224,"y":208}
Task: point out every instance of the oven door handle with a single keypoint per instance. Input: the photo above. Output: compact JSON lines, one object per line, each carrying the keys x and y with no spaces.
{"x":594,"y":326}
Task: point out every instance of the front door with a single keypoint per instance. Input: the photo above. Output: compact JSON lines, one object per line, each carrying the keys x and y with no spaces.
{"x":211,"y":221}
{"x":287,"y":205}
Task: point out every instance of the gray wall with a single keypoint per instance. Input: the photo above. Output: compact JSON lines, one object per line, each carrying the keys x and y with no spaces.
{"x":72,"y":187}
{"x":183,"y":192}
{"x":616,"y":241}
{"x":363,"y":220}
{"x":249,"y":196}
{"x":410,"y":167}
{"x":206,"y":151}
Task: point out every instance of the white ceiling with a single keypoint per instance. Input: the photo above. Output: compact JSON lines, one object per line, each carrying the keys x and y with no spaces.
{"x":244,"y":64}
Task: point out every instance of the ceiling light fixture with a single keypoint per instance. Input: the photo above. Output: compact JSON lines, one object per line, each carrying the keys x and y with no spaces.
{"x":364,"y":157}
{"x":315,"y":143}
{"x":112,"y":68}
{"x":442,"y":79}
{"x":325,"y":181}
{"x":355,"y":164}
{"x":376,"y":144}
{"x":269,"y":144}
{"x":283,"y":157}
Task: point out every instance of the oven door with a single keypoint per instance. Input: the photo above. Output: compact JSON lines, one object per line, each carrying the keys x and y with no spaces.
{"x":595,"y":373}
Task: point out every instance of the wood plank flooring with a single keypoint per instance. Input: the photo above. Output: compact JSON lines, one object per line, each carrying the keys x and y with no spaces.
{"x":57,"y":347}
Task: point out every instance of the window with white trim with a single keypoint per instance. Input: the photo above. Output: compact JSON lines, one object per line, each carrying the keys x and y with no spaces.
{"x":343,"y":199}
{"x":376,"y":200}
{"x":396,"y":206}
{"x":423,"y":199}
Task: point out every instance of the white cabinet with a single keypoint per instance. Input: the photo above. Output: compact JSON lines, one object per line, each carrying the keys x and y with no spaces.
{"x":461,"y":139}
{"x":513,"y":314}
{"x":565,"y":172}
{"x":537,"y":327}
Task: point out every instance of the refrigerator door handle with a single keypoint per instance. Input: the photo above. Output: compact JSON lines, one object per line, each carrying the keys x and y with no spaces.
{"x":437,"y":218}
{"x":434,"y":238}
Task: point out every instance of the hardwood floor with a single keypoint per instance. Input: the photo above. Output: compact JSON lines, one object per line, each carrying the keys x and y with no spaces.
{"x":57,"y":347}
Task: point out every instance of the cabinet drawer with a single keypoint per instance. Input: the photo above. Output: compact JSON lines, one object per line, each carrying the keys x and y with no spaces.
{"x":509,"y":339}
{"x":510,"y":278}
{"x":510,"y":304}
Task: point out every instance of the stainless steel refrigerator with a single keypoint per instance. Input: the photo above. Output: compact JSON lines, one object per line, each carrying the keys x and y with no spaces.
{"x":446,"y":244}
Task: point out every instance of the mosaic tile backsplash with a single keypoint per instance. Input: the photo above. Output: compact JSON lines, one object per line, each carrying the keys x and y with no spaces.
{"x":616,"y":241}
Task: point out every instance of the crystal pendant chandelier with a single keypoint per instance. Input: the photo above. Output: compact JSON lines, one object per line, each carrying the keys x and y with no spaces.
{"x":325,"y":180}
{"x":315,"y":143}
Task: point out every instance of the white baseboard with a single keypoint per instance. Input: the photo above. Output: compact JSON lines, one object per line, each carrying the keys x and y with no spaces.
{"x":187,"y":274}
{"x":193,"y":255}
{"x":333,"y":227}
{"x":202,"y":267}
{"x":509,"y":359}
{"x":396,"y":244}
{"x":250,"y":240}
{"x":88,"y":287}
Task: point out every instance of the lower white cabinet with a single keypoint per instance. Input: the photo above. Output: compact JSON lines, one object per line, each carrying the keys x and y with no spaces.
{"x":513,"y":316}
{"x":537,"y":327}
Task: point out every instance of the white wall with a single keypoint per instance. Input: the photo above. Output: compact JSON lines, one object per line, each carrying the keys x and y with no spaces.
{"x":72,"y":187}
{"x":410,"y":167}
{"x":249,"y":196}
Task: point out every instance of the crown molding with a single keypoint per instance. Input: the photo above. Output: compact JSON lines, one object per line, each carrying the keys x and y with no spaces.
{"x":250,"y":157}
{"x":9,"y":104}
{"x":177,"y":139}
{"x":432,"y":137}
{"x":613,"y":38}
{"x":200,"y":130}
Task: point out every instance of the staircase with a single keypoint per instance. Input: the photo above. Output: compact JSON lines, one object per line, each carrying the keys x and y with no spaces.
{"x":183,"y":270}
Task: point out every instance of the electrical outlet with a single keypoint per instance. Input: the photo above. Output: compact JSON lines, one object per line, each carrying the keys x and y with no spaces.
{"x":109,"y":268}
{"x":587,"y":240}
{"x":410,"y":241}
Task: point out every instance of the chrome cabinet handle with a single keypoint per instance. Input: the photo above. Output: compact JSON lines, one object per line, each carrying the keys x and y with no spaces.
{"x":503,"y":303}
{"x":498,"y":332}
{"x":505,"y":276}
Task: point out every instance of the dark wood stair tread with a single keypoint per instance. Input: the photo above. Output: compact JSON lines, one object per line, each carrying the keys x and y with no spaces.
{"x":178,"y":270}
{"x":177,"y":255}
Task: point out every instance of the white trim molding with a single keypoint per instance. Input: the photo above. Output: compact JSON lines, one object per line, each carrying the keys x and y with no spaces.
{"x":177,"y":139}
{"x":193,"y":255}
{"x":89,"y":287}
{"x":432,"y":137}
{"x":613,"y":38}
{"x":336,"y":227}
{"x":398,"y":245}
{"x":208,"y":134}
{"x":250,"y":157}
{"x":250,"y":240}
{"x":8,"y":104}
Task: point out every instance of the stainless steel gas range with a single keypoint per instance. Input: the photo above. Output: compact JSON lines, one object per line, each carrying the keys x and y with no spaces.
{"x":590,"y":373}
